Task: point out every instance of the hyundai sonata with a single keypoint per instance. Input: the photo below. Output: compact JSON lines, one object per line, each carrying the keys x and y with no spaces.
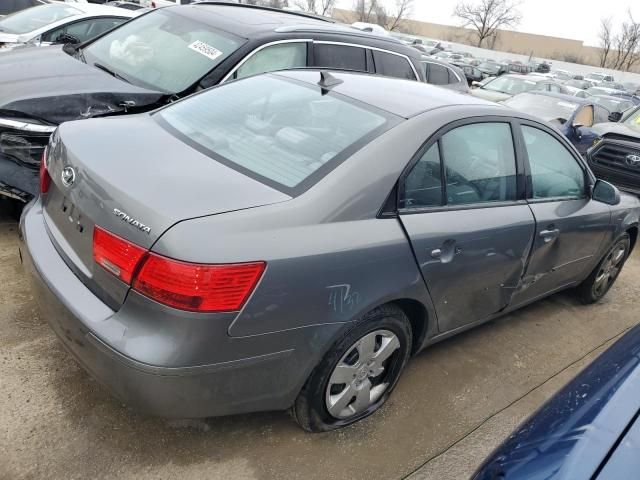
{"x":290,"y":240}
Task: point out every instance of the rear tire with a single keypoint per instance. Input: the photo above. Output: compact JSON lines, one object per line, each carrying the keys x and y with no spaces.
{"x":357,"y":375}
{"x":602,"y":278}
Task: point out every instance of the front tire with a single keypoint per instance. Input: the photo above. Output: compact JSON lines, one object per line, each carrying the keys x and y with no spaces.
{"x":357,"y":375}
{"x":602,"y":278}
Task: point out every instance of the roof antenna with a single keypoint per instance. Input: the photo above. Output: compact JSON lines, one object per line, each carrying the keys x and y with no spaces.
{"x":327,"y":81}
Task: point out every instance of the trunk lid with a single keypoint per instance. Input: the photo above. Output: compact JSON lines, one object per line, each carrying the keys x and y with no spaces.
{"x":135,"y":180}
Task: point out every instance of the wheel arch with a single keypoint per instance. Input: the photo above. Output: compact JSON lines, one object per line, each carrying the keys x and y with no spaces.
{"x":418,"y":317}
{"x":633,"y":234}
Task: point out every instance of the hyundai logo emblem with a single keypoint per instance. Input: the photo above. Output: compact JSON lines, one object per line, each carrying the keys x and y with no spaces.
{"x":68,"y":176}
{"x":633,"y":160}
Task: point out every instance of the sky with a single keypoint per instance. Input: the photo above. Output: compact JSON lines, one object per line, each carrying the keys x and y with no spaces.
{"x":574,"y":19}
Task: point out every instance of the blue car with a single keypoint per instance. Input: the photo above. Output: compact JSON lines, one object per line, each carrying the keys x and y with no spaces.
{"x":589,"y":430}
{"x":573,"y":116}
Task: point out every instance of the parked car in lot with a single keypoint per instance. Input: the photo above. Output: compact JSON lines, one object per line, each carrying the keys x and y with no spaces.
{"x":58,"y":22}
{"x":492,"y":69}
{"x":506,"y":86}
{"x":7,"y":7}
{"x":310,"y":243}
{"x":444,"y":74}
{"x":615,"y":104}
{"x":615,"y":155}
{"x":161,"y":56}
{"x":573,"y":116}
{"x":597,"y":78}
{"x":589,"y":430}
{"x":580,"y":84}
{"x":124,"y":4}
{"x":472,"y":74}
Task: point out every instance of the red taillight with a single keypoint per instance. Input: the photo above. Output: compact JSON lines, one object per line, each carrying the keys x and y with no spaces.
{"x":197,"y":287}
{"x":115,"y":254}
{"x":187,"y":286}
{"x":45,"y":178}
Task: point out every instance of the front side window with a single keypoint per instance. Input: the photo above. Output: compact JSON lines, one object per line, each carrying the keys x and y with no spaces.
{"x":162,"y":50}
{"x":391,"y":65}
{"x":275,"y":57}
{"x":83,"y":30}
{"x":340,"y":57}
{"x":274,"y":129}
{"x":32,"y":19}
{"x":554,"y":171}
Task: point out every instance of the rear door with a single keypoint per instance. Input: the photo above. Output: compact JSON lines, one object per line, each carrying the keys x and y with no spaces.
{"x":470,"y":231}
{"x":570,"y":226}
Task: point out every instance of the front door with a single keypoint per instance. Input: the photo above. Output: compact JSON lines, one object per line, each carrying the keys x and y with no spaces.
{"x":469,"y":232}
{"x":570,"y":227}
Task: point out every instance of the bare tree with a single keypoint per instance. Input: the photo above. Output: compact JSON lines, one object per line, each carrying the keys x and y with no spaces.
{"x":320,"y":7}
{"x":625,"y":45}
{"x":402,"y":11}
{"x":374,"y":11}
{"x":606,"y":38}
{"x":486,"y":17}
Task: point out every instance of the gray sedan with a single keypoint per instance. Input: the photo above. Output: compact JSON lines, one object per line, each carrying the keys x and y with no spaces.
{"x":289,"y":240}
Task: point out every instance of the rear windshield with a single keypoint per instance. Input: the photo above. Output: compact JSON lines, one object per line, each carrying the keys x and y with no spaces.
{"x":284,"y":133}
{"x":37,"y":17}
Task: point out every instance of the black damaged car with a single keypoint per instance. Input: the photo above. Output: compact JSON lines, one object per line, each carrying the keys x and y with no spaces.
{"x":162,"y":56}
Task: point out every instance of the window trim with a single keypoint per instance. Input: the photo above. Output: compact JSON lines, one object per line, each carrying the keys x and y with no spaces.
{"x":436,"y":138}
{"x":229,"y":75}
{"x":589,"y":179}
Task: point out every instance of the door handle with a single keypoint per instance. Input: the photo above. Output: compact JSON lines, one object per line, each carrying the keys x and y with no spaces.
{"x":437,"y":253}
{"x":551,"y":234}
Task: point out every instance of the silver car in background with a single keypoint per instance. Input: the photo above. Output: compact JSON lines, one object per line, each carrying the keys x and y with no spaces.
{"x":289,"y":240}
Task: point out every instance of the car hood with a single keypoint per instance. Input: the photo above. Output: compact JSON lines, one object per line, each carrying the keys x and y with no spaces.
{"x":615,"y":128}
{"x":8,"y":38}
{"x":48,"y":84}
{"x":490,"y":95}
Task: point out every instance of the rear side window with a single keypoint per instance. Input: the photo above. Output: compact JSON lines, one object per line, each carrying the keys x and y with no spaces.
{"x":281,"y":132}
{"x":391,"y":65}
{"x":340,"y":57}
{"x":423,"y":185}
{"x":479,"y":167}
{"x":438,"y":75}
{"x":275,"y":57}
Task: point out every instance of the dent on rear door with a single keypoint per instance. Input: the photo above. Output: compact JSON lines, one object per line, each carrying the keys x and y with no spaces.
{"x":482,"y":254}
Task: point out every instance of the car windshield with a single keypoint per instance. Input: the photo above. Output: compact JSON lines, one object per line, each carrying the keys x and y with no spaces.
{"x":162,"y":50}
{"x":278,"y":130}
{"x":542,"y":106}
{"x":34,"y":18}
{"x":612,"y":104}
{"x":575,"y":83}
{"x":633,"y":121}
{"x":595,"y":76}
{"x":430,"y":43}
{"x":510,"y":85}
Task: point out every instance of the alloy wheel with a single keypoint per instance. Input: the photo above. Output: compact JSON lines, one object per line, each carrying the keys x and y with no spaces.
{"x":362,"y":375}
{"x":609,"y":269}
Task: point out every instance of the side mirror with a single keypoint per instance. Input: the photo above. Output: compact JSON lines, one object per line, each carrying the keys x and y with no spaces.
{"x":66,"y":39}
{"x":475,"y":84}
{"x":615,"y":117}
{"x":606,"y":193}
{"x":576,"y":129}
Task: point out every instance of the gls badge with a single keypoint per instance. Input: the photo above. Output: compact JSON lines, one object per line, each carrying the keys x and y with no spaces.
{"x":131,"y":221}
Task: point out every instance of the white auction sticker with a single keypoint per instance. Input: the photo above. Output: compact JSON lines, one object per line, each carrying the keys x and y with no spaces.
{"x":205,"y":49}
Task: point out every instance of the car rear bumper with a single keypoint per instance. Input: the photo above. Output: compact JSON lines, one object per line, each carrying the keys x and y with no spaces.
{"x":255,"y":383}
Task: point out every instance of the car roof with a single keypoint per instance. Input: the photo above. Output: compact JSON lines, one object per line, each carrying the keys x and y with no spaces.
{"x":404,"y":98}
